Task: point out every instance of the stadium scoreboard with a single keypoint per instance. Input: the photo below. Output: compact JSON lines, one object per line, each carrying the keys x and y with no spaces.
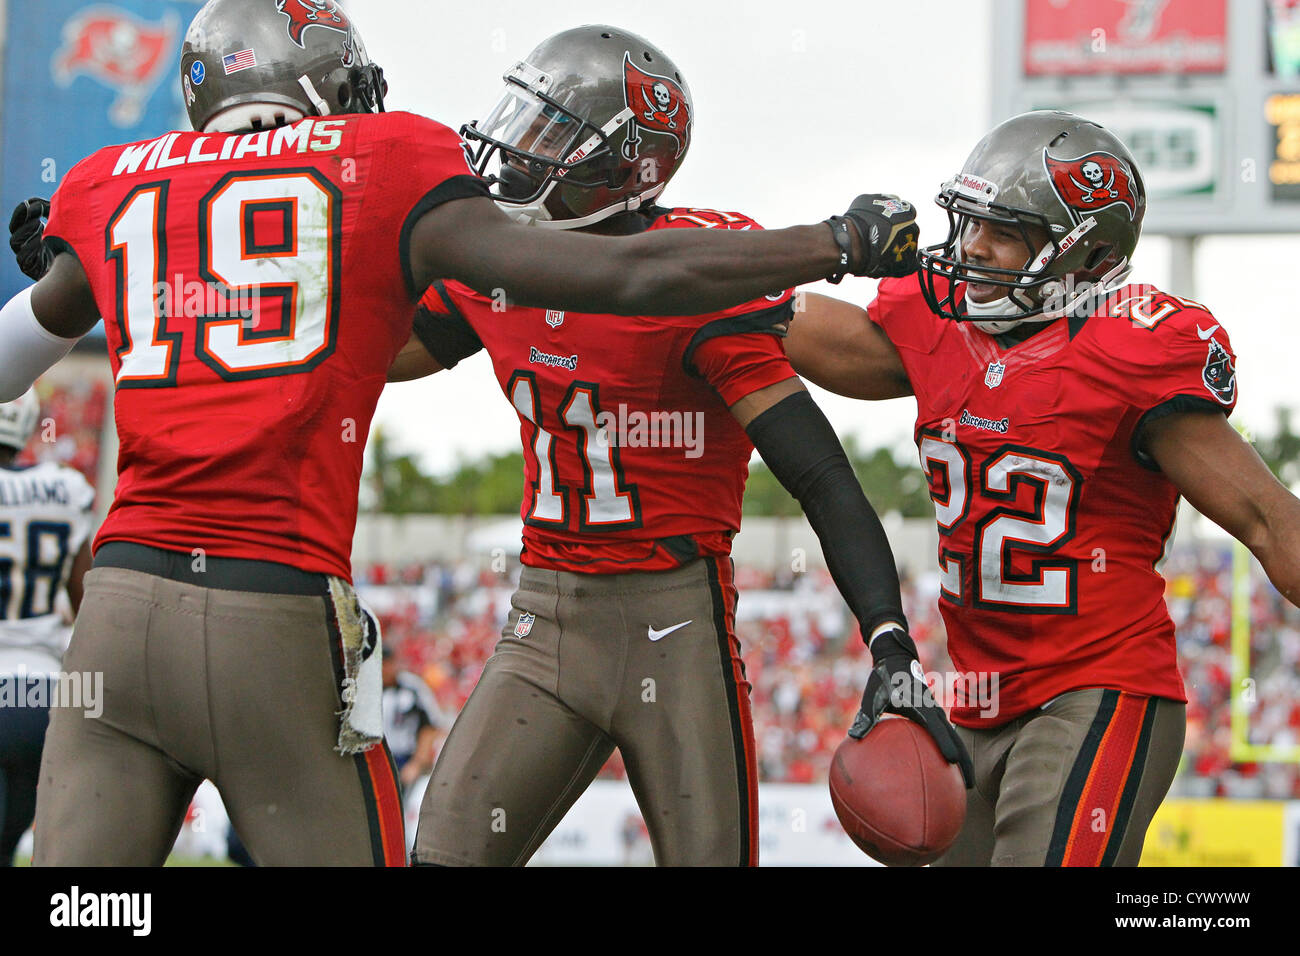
{"x":1205,"y":93}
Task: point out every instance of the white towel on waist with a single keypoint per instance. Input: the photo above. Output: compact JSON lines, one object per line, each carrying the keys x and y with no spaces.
{"x":361,"y":722}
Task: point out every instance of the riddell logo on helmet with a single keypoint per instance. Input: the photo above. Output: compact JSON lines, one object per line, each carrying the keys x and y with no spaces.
{"x":318,"y":13}
{"x":1064,"y":246}
{"x":976,"y":187}
{"x":1092,"y":183}
{"x":658,"y":105}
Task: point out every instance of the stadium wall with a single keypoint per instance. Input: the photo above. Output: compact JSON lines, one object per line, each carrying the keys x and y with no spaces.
{"x":767,"y":544}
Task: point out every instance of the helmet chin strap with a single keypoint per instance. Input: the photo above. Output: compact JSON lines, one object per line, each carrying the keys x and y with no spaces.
{"x":536,"y":213}
{"x":987,"y":315}
{"x":1085,"y":297}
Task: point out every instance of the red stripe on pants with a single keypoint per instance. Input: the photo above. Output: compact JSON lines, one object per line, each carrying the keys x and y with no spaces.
{"x":1090,"y":831}
{"x":726,"y":584}
{"x":388,"y":805}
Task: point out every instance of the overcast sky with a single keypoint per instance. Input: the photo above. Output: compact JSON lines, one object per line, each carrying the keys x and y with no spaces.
{"x":798,"y":108}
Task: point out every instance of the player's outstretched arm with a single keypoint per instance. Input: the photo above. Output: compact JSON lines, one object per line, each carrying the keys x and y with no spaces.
{"x":802,"y":450}
{"x":1225,"y":479}
{"x":833,"y":344}
{"x":661,"y":272}
{"x":40,"y":325}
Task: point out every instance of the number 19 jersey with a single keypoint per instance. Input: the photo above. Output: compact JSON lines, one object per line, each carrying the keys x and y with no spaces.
{"x":254,"y":295}
{"x":1052,"y":520}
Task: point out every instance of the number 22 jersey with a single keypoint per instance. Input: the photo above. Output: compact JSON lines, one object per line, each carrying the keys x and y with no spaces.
{"x":1052,"y":520}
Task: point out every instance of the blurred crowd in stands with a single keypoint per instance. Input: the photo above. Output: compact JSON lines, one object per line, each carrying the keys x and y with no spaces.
{"x":72,"y":421}
{"x":1200,"y":599}
{"x":808,"y":666}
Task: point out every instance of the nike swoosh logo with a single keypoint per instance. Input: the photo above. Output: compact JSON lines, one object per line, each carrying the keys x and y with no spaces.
{"x":1207,"y":333}
{"x":657,"y":635}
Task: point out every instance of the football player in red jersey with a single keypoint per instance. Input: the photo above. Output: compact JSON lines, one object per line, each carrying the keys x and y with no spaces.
{"x":1060,"y":415}
{"x":637,"y":434}
{"x":257,"y":278}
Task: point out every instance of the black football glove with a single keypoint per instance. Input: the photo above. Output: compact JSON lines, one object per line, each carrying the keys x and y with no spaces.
{"x":897,"y":686}
{"x":887,"y":233}
{"x":26,"y":234}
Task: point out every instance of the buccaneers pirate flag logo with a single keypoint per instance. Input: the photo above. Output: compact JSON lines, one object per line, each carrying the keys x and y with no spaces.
{"x":1219,"y":376}
{"x":318,"y":13}
{"x":126,"y":54}
{"x":657,"y":103}
{"x":1091,"y":183}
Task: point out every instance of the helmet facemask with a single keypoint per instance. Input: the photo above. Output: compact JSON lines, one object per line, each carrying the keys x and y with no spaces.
{"x":947,"y":260}
{"x":1038,"y":291}
{"x":532,"y":142}
{"x":594,"y":123}
{"x":1070,"y":190}
{"x":368,"y":88}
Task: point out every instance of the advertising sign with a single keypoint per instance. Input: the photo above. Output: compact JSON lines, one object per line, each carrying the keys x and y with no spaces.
{"x":1064,"y":37}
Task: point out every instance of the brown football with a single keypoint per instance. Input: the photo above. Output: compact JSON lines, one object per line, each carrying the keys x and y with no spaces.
{"x":895,"y":795}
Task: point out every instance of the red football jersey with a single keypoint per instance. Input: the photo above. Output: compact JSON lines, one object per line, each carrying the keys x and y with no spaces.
{"x":253,"y":292}
{"x":632,"y":460}
{"x":1051,"y":521}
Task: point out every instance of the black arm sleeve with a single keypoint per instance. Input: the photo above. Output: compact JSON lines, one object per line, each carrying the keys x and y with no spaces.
{"x":445,"y":334}
{"x":799,"y":445}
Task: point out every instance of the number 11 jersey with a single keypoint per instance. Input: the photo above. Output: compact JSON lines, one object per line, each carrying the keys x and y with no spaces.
{"x":632,"y":460}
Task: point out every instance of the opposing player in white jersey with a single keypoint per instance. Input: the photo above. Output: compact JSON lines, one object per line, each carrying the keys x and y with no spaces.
{"x":45,"y":518}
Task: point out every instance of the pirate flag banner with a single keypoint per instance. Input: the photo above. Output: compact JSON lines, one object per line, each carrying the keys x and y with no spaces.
{"x":78,"y":75}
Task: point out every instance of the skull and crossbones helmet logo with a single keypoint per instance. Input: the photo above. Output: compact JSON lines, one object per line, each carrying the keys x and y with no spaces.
{"x":657,"y":103}
{"x":1090,"y":183}
{"x":1096,"y":187}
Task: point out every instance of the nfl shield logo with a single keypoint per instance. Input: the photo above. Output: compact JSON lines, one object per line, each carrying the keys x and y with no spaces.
{"x":525,"y":624}
{"x":993,"y":377}
{"x":554,"y":317}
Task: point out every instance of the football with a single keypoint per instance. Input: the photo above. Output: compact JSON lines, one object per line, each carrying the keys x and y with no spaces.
{"x":896,"y":796}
